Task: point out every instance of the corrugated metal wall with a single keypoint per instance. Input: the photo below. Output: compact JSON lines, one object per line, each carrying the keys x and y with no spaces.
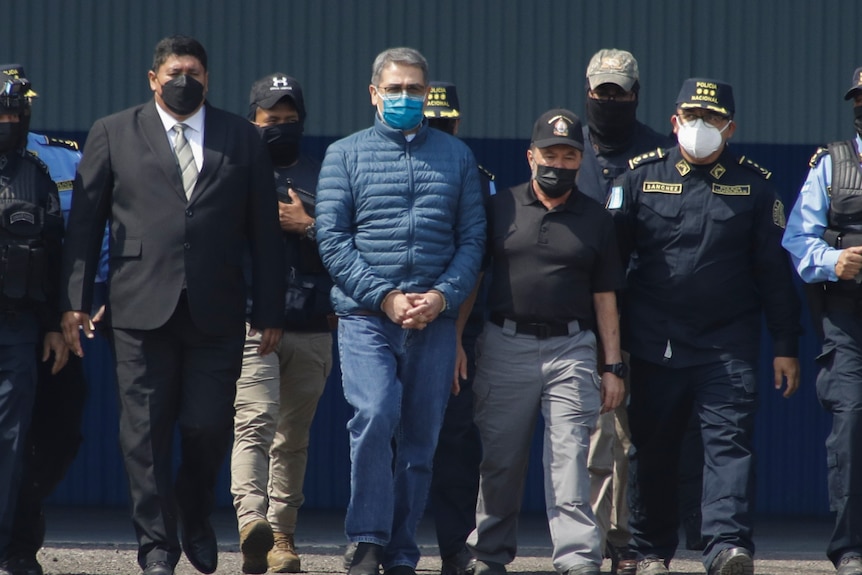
{"x":789,"y":61}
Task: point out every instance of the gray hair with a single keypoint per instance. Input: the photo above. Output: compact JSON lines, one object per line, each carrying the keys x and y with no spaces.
{"x":405,"y":56}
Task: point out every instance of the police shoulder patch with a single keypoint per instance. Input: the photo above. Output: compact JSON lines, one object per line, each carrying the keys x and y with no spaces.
{"x":646,"y":158}
{"x":68,"y":144}
{"x":817,"y":155}
{"x":485,"y":172}
{"x":764,"y":173}
{"x":28,"y":155}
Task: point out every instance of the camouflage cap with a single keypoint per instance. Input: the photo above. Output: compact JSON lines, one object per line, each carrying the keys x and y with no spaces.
{"x":612,"y":66}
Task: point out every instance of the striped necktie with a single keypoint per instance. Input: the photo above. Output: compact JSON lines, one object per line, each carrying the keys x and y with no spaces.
{"x":185,"y":159}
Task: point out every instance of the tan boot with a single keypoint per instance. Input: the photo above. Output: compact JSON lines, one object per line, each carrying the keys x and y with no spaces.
{"x":283,"y":558}
{"x":255,"y":540}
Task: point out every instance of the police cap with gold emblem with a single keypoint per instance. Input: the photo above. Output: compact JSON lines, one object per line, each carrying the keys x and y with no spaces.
{"x":558,"y":126}
{"x":856,"y":84}
{"x":442,"y":101}
{"x":713,"y":95}
{"x":17,"y":71}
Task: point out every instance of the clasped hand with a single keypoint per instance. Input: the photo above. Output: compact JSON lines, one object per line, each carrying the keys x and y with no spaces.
{"x":413,"y":310}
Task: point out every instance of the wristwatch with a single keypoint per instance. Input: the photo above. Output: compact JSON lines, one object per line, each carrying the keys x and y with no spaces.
{"x":311,"y":231}
{"x":618,"y":369}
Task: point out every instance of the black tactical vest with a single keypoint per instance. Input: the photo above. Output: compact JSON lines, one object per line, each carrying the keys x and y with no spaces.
{"x":845,"y":203}
{"x":22,"y":223}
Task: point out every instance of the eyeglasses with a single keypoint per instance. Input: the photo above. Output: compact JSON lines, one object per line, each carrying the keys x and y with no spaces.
{"x":712,"y":118}
{"x":394,"y":92}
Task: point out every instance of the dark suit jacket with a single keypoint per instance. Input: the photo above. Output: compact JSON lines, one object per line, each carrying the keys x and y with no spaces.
{"x":158,"y":240}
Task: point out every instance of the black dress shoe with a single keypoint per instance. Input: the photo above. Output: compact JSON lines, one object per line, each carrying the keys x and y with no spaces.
{"x":200,"y":545}
{"x":460,"y":563}
{"x":732,"y":561}
{"x":158,"y":568}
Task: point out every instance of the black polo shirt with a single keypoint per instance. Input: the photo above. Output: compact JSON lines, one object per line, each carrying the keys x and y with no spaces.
{"x":546,"y":265}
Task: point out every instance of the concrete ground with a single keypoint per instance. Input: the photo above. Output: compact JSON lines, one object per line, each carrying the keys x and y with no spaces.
{"x":85,"y":541}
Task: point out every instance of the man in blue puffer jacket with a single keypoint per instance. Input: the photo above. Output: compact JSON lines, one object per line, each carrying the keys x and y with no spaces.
{"x":401,"y":229}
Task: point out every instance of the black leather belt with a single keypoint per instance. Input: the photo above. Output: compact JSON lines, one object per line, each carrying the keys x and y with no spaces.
{"x":536,"y":329}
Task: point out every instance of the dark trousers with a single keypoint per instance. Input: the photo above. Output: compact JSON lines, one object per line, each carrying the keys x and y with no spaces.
{"x":53,"y":442}
{"x":17,"y":391}
{"x":455,"y":479}
{"x":691,"y":479}
{"x":839,"y":389}
{"x":724,"y":396}
{"x":174,"y":374}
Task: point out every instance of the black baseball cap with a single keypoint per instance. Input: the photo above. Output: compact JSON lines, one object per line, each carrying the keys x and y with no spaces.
{"x":442,"y":101}
{"x":558,"y":126}
{"x":855,"y":85}
{"x":708,"y":94}
{"x":266,"y":92}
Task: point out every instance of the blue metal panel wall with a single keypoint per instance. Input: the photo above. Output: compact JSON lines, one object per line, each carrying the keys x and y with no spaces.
{"x":789,"y":61}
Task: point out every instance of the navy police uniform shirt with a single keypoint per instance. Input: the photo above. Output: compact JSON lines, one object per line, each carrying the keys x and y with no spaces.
{"x":705,"y":260}
{"x":598,"y":171}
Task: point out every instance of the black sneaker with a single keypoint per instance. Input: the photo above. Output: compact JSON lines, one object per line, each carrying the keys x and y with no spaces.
{"x":732,"y":561}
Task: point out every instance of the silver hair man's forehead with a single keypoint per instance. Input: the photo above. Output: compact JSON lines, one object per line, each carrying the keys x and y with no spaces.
{"x":402,"y":55}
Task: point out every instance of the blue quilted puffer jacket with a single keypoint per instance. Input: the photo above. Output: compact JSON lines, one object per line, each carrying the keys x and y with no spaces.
{"x":393,"y":214}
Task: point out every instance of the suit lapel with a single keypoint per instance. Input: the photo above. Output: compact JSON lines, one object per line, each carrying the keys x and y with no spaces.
{"x":154,"y":134}
{"x":215,"y":142}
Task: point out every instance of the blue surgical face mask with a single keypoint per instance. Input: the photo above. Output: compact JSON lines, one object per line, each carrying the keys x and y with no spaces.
{"x":403,"y":112}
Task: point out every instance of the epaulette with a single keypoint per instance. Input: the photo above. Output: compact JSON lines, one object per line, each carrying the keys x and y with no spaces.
{"x":646,"y":158}
{"x":28,"y":155}
{"x":764,"y":173}
{"x":817,"y":155}
{"x":485,"y":172}
{"x":68,"y":144}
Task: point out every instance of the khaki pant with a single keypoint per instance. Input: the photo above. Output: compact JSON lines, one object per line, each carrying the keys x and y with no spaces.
{"x":609,"y":469}
{"x":276,"y":397}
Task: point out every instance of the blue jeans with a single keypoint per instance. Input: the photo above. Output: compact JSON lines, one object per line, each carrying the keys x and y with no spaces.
{"x":398,"y":383}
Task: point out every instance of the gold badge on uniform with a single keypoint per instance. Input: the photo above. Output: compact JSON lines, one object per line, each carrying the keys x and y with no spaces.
{"x":682,"y":167}
{"x":662,"y":188}
{"x":731,"y":190}
{"x":778,"y":217}
{"x":717,"y":171}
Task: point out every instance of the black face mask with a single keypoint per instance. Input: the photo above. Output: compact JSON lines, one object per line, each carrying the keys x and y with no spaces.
{"x":10,"y":136}
{"x":282,"y":140}
{"x":857,"y":119}
{"x":555,"y":182}
{"x":183,"y":94}
{"x":612,"y":123}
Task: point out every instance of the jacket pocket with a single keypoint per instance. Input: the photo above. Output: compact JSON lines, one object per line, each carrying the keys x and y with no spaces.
{"x":128,"y":248}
